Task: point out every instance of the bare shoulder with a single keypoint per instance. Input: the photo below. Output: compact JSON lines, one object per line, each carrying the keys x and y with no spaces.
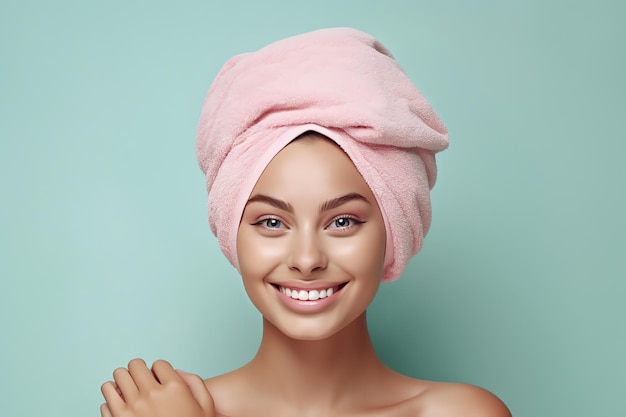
{"x":451,"y":399}
{"x":227,"y":391}
{"x":222,"y":387}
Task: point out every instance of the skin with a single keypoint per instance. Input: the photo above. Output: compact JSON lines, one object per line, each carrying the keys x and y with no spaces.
{"x":311,"y":222}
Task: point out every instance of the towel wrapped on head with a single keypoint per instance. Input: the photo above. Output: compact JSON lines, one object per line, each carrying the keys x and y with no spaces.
{"x":345,"y":85}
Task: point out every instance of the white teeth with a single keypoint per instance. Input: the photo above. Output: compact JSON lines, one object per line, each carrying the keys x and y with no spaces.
{"x":304,"y":295}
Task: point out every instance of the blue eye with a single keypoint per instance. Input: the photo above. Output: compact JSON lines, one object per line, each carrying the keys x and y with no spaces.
{"x":270,"y":226}
{"x":343,"y":222}
{"x":272,"y":223}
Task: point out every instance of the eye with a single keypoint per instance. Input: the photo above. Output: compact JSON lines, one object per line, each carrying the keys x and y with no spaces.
{"x":270,"y":223}
{"x":343,"y":222}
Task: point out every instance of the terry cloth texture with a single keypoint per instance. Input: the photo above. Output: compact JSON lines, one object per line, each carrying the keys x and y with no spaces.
{"x":341,"y":83}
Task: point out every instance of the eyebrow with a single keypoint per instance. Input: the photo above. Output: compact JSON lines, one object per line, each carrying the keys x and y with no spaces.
{"x":328,"y":205}
{"x":272,"y":202}
{"x":336,"y":202}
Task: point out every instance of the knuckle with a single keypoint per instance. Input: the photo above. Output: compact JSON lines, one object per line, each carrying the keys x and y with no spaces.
{"x":179,"y":388}
{"x":126,"y":413}
{"x":154,"y":395}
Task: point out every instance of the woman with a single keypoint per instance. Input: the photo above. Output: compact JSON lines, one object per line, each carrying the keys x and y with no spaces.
{"x":319,"y":155}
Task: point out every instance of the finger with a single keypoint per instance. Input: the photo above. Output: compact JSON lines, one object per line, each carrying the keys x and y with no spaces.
{"x":164,"y":372}
{"x":142,"y":376}
{"x":112,"y":397}
{"x":198,"y":389}
{"x":104,"y":411}
{"x":119,"y":391}
{"x":125,"y":384}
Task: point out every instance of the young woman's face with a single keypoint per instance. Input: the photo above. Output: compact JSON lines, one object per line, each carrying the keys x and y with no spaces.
{"x":311,"y":243}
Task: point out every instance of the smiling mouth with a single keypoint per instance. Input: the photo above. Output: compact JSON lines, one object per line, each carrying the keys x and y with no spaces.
{"x":309,"y":295}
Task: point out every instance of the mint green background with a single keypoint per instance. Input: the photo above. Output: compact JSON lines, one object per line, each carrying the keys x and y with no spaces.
{"x":105,"y":252}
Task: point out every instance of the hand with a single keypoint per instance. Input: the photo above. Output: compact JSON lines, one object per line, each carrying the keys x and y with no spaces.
{"x":162,"y":392}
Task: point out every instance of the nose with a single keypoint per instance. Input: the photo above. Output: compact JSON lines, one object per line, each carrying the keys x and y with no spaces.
{"x":307,"y":254}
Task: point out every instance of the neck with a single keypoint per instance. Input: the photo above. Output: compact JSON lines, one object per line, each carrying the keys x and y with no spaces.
{"x":317,"y":371}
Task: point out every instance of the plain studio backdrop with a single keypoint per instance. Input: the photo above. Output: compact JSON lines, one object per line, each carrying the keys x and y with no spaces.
{"x":105,"y":251}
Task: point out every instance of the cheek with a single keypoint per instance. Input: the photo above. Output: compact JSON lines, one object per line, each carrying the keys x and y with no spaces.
{"x":363,"y":256}
{"x":257,"y":255}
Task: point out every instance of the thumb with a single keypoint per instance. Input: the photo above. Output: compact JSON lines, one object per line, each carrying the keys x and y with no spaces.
{"x":199,"y":391}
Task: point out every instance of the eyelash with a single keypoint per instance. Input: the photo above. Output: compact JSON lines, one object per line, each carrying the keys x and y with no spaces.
{"x":263,"y":223}
{"x":353,"y":222}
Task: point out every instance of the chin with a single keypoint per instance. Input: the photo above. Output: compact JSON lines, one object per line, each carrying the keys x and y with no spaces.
{"x":310,"y":335}
{"x":314,"y":328}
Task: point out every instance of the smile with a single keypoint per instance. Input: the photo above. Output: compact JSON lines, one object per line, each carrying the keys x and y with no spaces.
{"x":310,"y":295}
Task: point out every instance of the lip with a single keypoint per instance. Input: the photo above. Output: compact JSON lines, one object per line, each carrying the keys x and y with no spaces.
{"x":315,"y":306}
{"x":308,"y":286}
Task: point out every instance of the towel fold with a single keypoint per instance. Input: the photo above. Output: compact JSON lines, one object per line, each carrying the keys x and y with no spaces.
{"x":341,"y":83}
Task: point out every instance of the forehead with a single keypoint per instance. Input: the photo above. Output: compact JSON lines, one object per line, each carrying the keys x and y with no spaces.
{"x":311,"y":166}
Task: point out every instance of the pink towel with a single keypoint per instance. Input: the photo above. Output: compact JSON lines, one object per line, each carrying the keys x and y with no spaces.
{"x":343,"y":84}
